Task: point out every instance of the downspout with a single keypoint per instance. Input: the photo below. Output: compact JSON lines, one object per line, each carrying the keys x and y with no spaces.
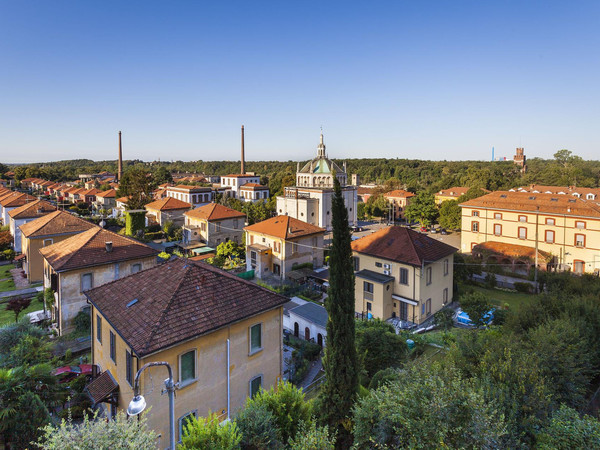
{"x":228,"y":382}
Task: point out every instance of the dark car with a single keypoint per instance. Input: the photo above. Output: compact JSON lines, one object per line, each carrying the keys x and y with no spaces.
{"x":357,"y":229}
{"x":443,"y":231}
{"x":68,"y":373}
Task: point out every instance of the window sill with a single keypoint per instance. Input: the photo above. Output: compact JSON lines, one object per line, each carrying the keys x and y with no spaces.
{"x":255,"y":351}
{"x":187,"y":383}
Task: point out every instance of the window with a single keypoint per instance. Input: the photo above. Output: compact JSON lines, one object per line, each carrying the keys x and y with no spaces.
{"x":113,"y":347}
{"x":187,"y":367}
{"x":580,"y":225}
{"x":475,"y":213}
{"x":48,"y":242}
{"x":135,"y":268}
{"x":294,"y":247}
{"x":498,"y":216}
{"x":446,"y":267}
{"x":217,"y":227}
{"x":475,"y":227}
{"x":550,"y":236}
{"x":522,"y":233}
{"x":578,"y":266}
{"x":314,"y":241}
{"x":498,"y":229}
{"x":369,"y":306}
{"x":356,"y":263}
{"x":99,"y":328}
{"x":235,"y":224}
{"x":522,"y":218}
{"x":183,"y":421}
{"x":129,"y":367}
{"x":368,"y":287}
{"x":378,"y":264}
{"x":255,"y":385}
{"x":580,"y":240}
{"x":276,"y":247}
{"x":428,"y":276}
{"x":550,"y":221}
{"x":87,"y":281}
{"x":445,"y":296}
{"x":428,"y":306}
{"x":403,"y":276}
{"x":255,"y":338}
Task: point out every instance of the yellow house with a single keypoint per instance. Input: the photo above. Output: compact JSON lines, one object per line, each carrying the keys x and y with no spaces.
{"x":450,"y":194}
{"x":403,"y":274}
{"x":275,"y":245}
{"x":88,"y":259}
{"x":167,"y":209}
{"x":26,"y":213}
{"x":221,"y":335}
{"x":47,"y":230}
{"x":564,"y":227}
{"x":212,"y":224}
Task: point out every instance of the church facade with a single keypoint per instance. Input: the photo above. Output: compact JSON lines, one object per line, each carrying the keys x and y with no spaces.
{"x":311,"y":199}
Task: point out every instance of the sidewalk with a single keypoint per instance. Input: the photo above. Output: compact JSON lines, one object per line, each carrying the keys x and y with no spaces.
{"x":22,"y":292}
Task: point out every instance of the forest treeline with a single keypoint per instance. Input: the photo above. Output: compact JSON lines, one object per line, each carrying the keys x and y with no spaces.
{"x":565,"y":169}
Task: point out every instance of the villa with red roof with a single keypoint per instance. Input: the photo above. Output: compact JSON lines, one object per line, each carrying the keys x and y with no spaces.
{"x":212,"y":224}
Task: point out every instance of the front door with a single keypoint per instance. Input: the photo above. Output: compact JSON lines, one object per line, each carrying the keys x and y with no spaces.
{"x":403,"y":311}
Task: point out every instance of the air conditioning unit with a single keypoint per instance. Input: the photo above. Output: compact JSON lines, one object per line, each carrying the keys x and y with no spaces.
{"x":386,"y":266}
{"x":387,"y":272}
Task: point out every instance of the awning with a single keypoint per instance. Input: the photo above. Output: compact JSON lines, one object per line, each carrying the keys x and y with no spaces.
{"x":404,"y":300}
{"x":103,"y":389}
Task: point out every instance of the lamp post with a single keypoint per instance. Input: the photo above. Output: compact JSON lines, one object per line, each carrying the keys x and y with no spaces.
{"x":138,"y":403}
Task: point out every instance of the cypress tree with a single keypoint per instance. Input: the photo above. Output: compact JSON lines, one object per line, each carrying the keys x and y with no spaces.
{"x":340,"y":362}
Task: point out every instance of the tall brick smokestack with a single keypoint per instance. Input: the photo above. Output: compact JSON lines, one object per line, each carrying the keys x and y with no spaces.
{"x":243,"y":168}
{"x":120,"y":164}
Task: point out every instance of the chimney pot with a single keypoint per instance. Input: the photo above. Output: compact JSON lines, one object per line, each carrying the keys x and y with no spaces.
{"x":109,"y":246}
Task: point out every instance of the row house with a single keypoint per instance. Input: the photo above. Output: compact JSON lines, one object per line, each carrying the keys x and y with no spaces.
{"x":87,"y":260}
{"x":194,"y":195}
{"x":403,"y":274}
{"x":10,"y":200}
{"x":42,"y":232}
{"x":274,"y":246}
{"x":168,"y":209}
{"x":26,"y":213}
{"x":221,"y":335}
{"x":566,"y":227}
{"x":213,"y":224}
{"x":106,"y":199}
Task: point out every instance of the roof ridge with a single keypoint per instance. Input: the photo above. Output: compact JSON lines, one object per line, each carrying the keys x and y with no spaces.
{"x":166,"y":309}
{"x":73,"y":253}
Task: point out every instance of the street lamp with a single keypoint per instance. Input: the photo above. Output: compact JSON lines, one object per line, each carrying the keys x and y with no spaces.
{"x":138,"y":403}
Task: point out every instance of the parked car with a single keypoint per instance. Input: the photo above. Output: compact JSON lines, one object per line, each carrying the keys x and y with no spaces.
{"x":434,"y":230}
{"x":443,"y":231}
{"x":357,"y":229}
{"x":423,"y":229}
{"x":68,"y":373}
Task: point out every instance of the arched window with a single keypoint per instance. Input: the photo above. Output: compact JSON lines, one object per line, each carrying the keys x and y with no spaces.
{"x":307,"y":334}
{"x":296,"y":329}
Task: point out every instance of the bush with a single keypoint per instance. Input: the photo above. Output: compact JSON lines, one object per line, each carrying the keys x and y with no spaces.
{"x":521,"y":286}
{"x":490,"y":280}
{"x":307,"y":265}
{"x":208,"y":433}
{"x":258,"y":428}
{"x":383,"y":376}
{"x":310,"y":436}
{"x":82,"y":322}
{"x":9,"y":254}
{"x":569,"y":430}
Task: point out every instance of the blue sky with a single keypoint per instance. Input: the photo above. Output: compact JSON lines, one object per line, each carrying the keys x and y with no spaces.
{"x":429,"y":80}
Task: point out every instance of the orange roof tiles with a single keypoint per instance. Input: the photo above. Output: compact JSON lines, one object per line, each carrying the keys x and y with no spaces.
{"x":89,"y":249}
{"x":15,"y":199}
{"x":512,"y":250}
{"x":167,"y":204}
{"x":402,"y":245}
{"x":110,"y":193}
{"x":57,"y":222}
{"x":284,"y":227}
{"x":399,"y":193}
{"x":37,"y":208}
{"x":214,"y":211}
{"x":534,"y":202}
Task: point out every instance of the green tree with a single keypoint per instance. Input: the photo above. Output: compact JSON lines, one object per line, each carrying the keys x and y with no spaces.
{"x":430,"y":406}
{"x":569,"y":430}
{"x":161,"y":175}
{"x":421,"y":209}
{"x":340,"y":361}
{"x":258,"y":427}
{"x":210,"y":434}
{"x":476,"y":305}
{"x":99,"y":434}
{"x":312,"y":437}
{"x":444,"y":318}
{"x":135,"y":184}
{"x":18,"y":305}
{"x":450,"y":215}
{"x":378,"y":347}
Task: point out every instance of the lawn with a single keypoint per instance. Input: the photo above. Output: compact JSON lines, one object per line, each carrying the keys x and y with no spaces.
{"x":7,"y":284}
{"x":499,"y":297}
{"x":9,"y":316}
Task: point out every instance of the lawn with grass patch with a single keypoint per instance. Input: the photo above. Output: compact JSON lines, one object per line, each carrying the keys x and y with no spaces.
{"x":500,"y":297}
{"x":9,"y":316}
{"x":6,"y":279}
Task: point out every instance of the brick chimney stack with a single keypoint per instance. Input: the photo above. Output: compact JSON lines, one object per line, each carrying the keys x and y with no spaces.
{"x":243,"y":168}
{"x":120,"y":163}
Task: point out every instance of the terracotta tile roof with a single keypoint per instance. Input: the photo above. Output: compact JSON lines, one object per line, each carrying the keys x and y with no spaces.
{"x":37,"y":208}
{"x":101,"y":387}
{"x":214,"y":211}
{"x":533,"y":202}
{"x":122,"y":200}
{"x":177,"y":301}
{"x":110,"y":193}
{"x":167,"y":204}
{"x":284,"y":227}
{"x":254,"y":187}
{"x":399,"y":193}
{"x":57,"y":222}
{"x":92,"y":191}
{"x":456,"y":191}
{"x":366,"y":190}
{"x":89,"y":249}
{"x":512,"y":251}
{"x":15,"y":199}
{"x":402,"y":245}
